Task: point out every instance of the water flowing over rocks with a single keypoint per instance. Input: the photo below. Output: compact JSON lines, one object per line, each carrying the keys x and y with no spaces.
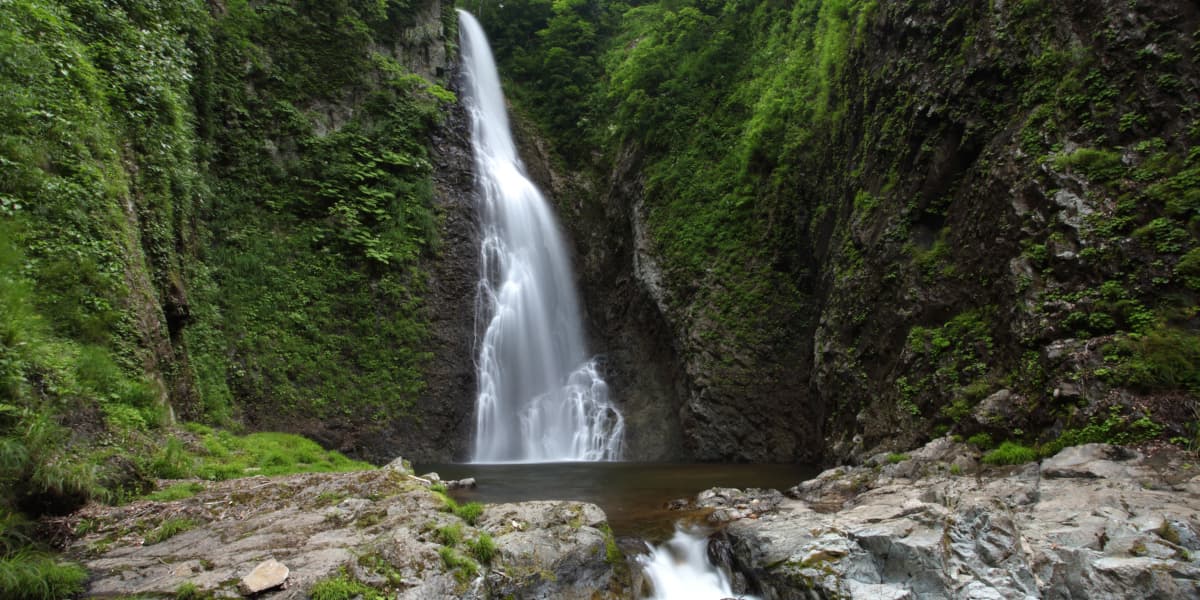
{"x":378,"y":527}
{"x":1094,"y":521}
{"x":540,"y":397}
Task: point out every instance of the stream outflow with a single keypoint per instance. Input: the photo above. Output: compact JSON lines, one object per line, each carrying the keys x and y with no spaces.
{"x":680,"y":569}
{"x":541,"y":397}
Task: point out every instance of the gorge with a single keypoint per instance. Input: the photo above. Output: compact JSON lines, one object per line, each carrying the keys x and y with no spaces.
{"x":832,"y":232}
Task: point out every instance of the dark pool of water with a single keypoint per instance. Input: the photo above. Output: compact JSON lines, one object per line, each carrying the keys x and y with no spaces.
{"x":633,"y":495}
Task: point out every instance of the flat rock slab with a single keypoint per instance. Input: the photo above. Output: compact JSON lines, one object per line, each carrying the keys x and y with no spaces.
{"x":383,"y":528}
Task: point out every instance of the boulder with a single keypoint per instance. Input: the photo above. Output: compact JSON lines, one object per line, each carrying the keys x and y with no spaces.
{"x":268,"y":574}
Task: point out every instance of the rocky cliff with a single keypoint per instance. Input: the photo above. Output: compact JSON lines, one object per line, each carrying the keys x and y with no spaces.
{"x":837,"y":226}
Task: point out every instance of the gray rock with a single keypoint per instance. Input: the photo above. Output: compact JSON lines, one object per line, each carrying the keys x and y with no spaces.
{"x":551,"y":550}
{"x":1088,"y":461}
{"x":380,"y":526}
{"x":1101,"y":527}
{"x":399,"y":465}
{"x":996,"y":409}
{"x":268,"y":574}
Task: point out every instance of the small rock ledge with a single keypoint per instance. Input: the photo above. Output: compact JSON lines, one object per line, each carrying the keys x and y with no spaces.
{"x":1094,"y":521}
{"x":275,"y":538}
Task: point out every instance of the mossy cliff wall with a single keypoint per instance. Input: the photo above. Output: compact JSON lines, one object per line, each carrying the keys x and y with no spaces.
{"x":858,"y":224}
{"x":254,"y":214}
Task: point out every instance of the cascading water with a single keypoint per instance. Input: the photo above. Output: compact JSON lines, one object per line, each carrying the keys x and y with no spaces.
{"x":679,"y":569}
{"x":540,"y":396}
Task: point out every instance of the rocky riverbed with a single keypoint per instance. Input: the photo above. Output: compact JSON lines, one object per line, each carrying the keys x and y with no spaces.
{"x":1094,"y":521}
{"x":385,"y":529}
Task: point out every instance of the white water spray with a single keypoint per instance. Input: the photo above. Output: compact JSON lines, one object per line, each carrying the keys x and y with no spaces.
{"x":679,"y":569}
{"x":540,"y":396}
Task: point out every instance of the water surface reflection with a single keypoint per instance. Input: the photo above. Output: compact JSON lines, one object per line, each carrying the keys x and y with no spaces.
{"x":634,"y":495}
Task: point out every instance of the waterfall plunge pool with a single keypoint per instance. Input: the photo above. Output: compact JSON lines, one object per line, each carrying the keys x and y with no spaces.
{"x":633,"y":495}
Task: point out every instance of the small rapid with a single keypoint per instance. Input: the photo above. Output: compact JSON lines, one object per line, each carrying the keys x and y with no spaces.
{"x":680,"y":569}
{"x":541,"y":397}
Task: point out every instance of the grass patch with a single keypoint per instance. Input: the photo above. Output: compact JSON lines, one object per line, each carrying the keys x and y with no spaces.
{"x":190,"y":591}
{"x":178,"y":491}
{"x":895,"y":458}
{"x":31,"y":575}
{"x":1098,"y":165}
{"x":483,"y":548}
{"x":449,"y":535}
{"x":228,"y":456}
{"x":469,"y":512}
{"x":464,"y":568}
{"x":343,"y":587}
{"x":1010,"y":453}
{"x":170,"y":528}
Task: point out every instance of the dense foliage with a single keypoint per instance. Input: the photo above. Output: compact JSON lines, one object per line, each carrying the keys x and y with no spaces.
{"x":822,"y":173}
{"x":310,"y":288}
{"x":207,"y":211}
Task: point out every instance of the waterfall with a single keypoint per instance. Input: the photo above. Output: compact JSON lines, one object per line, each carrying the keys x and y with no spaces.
{"x":541,"y":398}
{"x":679,"y":569}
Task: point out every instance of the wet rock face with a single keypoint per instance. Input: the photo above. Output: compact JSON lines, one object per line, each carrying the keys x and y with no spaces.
{"x":281,"y":537}
{"x":444,"y":430}
{"x":1092,"y":522}
{"x":623,"y":315}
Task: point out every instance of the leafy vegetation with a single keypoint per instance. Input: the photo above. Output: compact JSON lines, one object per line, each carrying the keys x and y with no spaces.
{"x":30,"y":575}
{"x":314,"y":284}
{"x":187,"y":229}
{"x":1114,"y":428}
